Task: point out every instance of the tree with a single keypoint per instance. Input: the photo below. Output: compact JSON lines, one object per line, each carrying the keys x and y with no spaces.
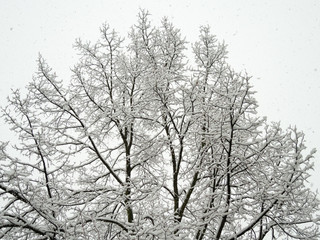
{"x":140,"y":144}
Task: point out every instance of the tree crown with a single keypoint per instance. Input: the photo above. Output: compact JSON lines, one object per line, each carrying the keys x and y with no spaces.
{"x":141,"y":144}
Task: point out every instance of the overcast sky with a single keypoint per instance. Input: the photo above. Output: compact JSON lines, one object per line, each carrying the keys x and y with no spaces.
{"x":277,"y":42}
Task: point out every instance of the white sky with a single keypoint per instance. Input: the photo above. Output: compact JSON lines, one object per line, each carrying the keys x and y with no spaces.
{"x":277,"y":42}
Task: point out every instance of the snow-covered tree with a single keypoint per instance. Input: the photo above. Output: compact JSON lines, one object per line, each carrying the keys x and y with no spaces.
{"x":142,"y":144}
